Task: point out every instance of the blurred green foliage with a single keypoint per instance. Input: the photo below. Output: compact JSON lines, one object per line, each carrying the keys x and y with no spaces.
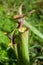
{"x":8,"y":8}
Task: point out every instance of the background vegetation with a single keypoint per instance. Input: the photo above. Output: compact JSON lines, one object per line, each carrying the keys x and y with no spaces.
{"x":8,"y":9}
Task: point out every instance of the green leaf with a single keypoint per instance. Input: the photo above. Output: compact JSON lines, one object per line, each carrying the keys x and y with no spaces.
{"x":33,"y":29}
{"x":40,"y":57}
{"x":3,"y":38}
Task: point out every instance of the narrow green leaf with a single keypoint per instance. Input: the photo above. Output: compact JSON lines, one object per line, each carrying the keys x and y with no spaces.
{"x":33,"y":29}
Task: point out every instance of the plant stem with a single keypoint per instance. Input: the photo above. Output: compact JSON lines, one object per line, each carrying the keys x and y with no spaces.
{"x":23,"y":50}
